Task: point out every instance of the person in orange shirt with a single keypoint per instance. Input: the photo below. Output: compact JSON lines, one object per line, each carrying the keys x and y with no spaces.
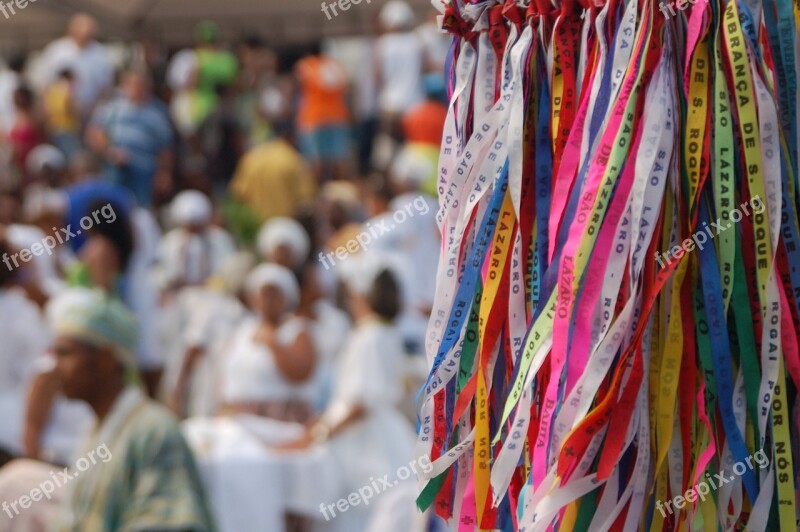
{"x":323,"y":116}
{"x":424,"y":123}
{"x":423,"y":126}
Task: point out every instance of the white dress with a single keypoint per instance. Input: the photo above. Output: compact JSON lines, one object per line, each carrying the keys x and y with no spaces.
{"x":190,"y":258}
{"x":251,"y":487}
{"x":249,"y":372}
{"x":25,"y":338}
{"x":206,"y":318}
{"x":369,"y":373}
{"x":331,"y":329}
{"x":400,"y":59}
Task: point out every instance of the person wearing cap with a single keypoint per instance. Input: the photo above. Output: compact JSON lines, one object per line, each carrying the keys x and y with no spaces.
{"x":146,"y":477}
{"x":362,"y":428}
{"x":195,"y":249}
{"x":46,"y":165}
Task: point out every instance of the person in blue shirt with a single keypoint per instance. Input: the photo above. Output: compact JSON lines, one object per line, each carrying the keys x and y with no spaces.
{"x":134,"y":136}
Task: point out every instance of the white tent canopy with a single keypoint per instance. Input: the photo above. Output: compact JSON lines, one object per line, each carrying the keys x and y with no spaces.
{"x":278,"y":21}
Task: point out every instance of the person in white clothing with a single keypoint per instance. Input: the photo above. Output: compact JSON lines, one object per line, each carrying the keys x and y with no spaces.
{"x":271,"y":359}
{"x":400,"y":58}
{"x":330,"y":327}
{"x":205,"y":317}
{"x":10,"y":80}
{"x":362,"y":428}
{"x":266,"y":383}
{"x":195,"y":250}
{"x":285,"y":242}
{"x":25,"y":338}
{"x":79,"y":52}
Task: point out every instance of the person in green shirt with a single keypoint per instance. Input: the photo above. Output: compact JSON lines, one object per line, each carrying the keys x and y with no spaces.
{"x":216,"y":67}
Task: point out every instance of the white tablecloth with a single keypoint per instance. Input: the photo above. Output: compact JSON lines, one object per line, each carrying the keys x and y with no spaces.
{"x":252,"y":487}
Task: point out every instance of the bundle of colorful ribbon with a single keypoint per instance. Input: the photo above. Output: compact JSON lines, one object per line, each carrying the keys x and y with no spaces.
{"x":614,"y":338}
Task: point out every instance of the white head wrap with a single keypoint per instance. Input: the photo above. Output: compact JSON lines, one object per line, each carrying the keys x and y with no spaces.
{"x":190,"y":207}
{"x":284,"y":231}
{"x":268,"y":274}
{"x":45,"y":156}
{"x":396,"y":15}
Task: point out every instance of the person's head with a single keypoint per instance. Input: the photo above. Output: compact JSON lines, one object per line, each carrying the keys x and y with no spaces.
{"x":136,"y":85}
{"x":84,"y":165}
{"x":283,"y":241}
{"x":273,"y":291}
{"x":82,"y":29}
{"x":339,"y":203}
{"x":7,"y":273}
{"x":383,"y":296}
{"x":373,"y":288}
{"x":315,"y":49}
{"x":48,"y":164}
{"x":66,"y":74}
{"x":111,"y":232}
{"x":252,"y":42}
{"x":17,"y":62}
{"x":435,"y":87}
{"x":311,"y":287}
{"x":396,"y":16}
{"x":23,"y":99}
{"x":95,"y":341}
{"x":191,"y":210}
{"x":379,"y":195}
{"x":206,"y":33}
{"x":10,"y":207}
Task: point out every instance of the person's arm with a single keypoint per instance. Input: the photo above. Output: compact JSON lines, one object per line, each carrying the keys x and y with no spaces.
{"x":41,"y":397}
{"x":296,"y":361}
{"x":177,"y":398}
{"x":163,"y":177}
{"x":323,"y":429}
{"x":320,"y":430}
{"x":97,"y":137}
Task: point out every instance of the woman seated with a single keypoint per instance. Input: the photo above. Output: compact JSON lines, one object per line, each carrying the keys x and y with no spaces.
{"x":270,"y":359}
{"x":362,"y":430}
{"x":265,"y":389}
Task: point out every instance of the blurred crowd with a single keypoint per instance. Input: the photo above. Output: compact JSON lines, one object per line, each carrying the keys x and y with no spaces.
{"x":165,"y":218}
